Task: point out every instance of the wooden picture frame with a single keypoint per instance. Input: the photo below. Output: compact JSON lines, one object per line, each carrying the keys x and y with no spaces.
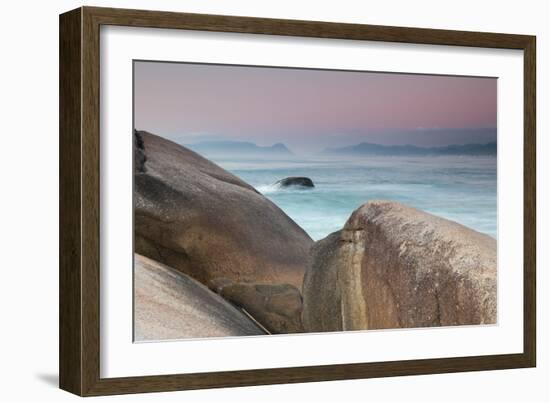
{"x":79,"y":346}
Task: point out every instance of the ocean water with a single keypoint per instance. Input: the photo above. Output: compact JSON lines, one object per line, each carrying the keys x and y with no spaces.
{"x":459,"y":188}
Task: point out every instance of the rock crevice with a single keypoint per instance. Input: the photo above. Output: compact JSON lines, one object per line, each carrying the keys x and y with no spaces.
{"x":170,"y":305}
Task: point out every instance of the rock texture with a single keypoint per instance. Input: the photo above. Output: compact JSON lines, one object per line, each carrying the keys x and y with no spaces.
{"x":393,"y":266}
{"x":277,"y":307}
{"x":203,"y":221}
{"x":170,"y":305}
{"x":298,"y":181}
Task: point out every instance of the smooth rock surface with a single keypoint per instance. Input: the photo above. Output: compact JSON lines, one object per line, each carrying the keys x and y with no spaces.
{"x":393,"y":266}
{"x":278,"y":308}
{"x":198,"y":218}
{"x":170,"y":305}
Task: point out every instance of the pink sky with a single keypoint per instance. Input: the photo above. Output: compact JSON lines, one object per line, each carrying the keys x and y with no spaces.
{"x":307,"y":108}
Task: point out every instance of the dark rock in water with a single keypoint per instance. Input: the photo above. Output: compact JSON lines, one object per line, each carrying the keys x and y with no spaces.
{"x":393,"y":266}
{"x":194,"y":216}
{"x":278,"y":307}
{"x":170,"y":305}
{"x":299,"y":181}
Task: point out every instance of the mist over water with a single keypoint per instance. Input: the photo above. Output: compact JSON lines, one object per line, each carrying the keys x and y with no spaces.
{"x":459,"y":188}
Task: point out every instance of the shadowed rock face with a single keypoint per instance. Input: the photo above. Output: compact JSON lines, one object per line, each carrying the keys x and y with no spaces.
{"x":198,"y":218}
{"x":297,"y":181}
{"x":277,"y":307}
{"x":170,"y":305}
{"x":393,"y":266}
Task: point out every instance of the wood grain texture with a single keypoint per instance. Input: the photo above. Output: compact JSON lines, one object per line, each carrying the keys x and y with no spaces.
{"x":530,"y":203}
{"x":79,"y":200}
{"x":70,"y":275}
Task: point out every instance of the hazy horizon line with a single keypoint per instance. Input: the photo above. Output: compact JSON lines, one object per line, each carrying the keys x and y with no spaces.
{"x":401,"y":137}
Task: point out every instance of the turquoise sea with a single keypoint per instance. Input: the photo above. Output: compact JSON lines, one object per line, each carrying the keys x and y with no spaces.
{"x":460,"y":188}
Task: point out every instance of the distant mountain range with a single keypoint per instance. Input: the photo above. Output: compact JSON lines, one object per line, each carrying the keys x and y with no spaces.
{"x":396,"y":150}
{"x":239,"y":148}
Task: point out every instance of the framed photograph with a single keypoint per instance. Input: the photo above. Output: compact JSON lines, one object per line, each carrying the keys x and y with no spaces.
{"x":249,"y":201}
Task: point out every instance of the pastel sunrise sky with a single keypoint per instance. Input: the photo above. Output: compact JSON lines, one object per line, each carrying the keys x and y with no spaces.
{"x":309,"y":110}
